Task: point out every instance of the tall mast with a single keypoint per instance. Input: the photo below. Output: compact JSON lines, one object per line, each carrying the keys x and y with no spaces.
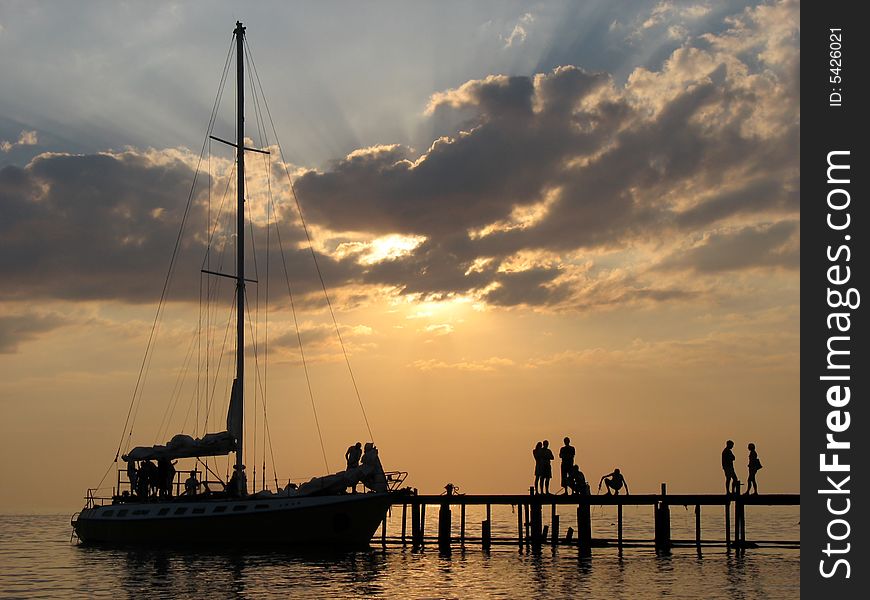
{"x":240,"y":237}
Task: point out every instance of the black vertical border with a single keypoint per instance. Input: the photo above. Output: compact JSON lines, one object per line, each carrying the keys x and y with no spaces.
{"x":826,"y":128}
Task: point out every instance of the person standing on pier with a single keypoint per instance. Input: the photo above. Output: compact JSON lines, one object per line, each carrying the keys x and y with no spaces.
{"x":728,"y":466}
{"x":566,"y":454}
{"x":754,"y":465}
{"x":547,"y":459}
{"x":539,"y":468}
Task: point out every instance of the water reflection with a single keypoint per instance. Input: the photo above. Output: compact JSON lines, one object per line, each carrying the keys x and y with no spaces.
{"x":38,"y":561}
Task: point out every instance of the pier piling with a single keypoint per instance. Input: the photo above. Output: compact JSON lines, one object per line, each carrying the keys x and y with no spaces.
{"x":404,"y":522}
{"x":462,"y":526}
{"x":728,"y":524}
{"x":554,"y":536}
{"x":584,"y":528}
{"x":663,"y":522}
{"x":520,"y":524}
{"x":619,"y":525}
{"x":444,"y":526}
{"x":537,"y":523}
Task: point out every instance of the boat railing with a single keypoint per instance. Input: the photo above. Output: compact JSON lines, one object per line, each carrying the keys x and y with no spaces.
{"x":92,"y":500}
{"x":395,"y":479}
{"x":178,"y":481}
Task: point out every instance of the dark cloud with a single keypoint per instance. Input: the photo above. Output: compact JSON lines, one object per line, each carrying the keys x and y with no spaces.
{"x":774,"y":245}
{"x":532,"y":287}
{"x":104,"y":226}
{"x":15,"y":329}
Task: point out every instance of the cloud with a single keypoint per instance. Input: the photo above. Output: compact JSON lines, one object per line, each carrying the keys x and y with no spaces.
{"x":757,"y":246}
{"x":568,"y":162}
{"x":25,"y":138}
{"x":518,"y":34}
{"x":103,"y":226}
{"x":487,"y":365}
{"x":18,"y":328}
{"x":602,"y":187}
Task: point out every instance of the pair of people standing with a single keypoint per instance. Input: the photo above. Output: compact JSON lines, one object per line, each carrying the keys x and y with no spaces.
{"x":731,"y":480}
{"x":543,"y":465}
{"x":543,"y":468}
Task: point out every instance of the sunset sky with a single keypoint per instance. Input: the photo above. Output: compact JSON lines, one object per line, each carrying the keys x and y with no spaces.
{"x":534,"y":220}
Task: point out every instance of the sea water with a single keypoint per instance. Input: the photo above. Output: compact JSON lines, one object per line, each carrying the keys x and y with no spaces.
{"x":38,"y":559}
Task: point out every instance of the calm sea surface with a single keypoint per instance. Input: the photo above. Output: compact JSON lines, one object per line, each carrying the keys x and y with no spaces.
{"x":38,"y":560}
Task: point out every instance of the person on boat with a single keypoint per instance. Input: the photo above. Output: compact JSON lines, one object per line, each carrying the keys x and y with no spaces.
{"x":614,"y":481}
{"x":374,"y":477}
{"x":566,"y":455}
{"x":577,"y":482}
{"x":165,"y":476}
{"x":353,"y":455}
{"x":148,"y":473}
{"x":191,"y":485}
{"x":539,"y":467}
{"x":754,"y":465}
{"x":132,"y":475}
{"x":728,"y":466}
{"x":547,"y":459}
{"x":238,"y":484}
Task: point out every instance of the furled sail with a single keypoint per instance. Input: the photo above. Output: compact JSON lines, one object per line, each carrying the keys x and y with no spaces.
{"x":234,"y":413}
{"x":185,"y":446}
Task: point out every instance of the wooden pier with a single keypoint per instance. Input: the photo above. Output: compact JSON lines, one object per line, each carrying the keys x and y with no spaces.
{"x":533,"y":532}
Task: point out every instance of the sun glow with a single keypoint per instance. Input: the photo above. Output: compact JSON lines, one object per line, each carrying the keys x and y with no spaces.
{"x":388,"y":247}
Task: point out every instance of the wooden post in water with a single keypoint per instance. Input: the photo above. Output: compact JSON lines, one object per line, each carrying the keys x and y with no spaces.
{"x":663,"y":522}
{"x":422,"y":524}
{"x":416,"y":537}
{"x":528,"y":523}
{"x":619,"y":525}
{"x":554,"y":522}
{"x":739,"y":520}
{"x":444,"y":525}
{"x":569,"y":537}
{"x":727,"y":523}
{"x":520,"y":508}
{"x":584,"y":528}
{"x":698,"y":526}
{"x":384,"y":532}
{"x":485,"y":535}
{"x":404,"y":522}
{"x":462,"y":525}
{"x":537,"y":523}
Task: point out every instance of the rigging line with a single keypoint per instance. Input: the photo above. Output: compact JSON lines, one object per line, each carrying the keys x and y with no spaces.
{"x":210,"y":399}
{"x":168,"y":279}
{"x":103,"y":478}
{"x":214,"y":290}
{"x":253,"y":325}
{"x":262,"y":132}
{"x":311,"y":248}
{"x":301,"y":348}
{"x":176,"y":391}
{"x":287,"y":279}
{"x":259,"y":383}
{"x":269,"y":212}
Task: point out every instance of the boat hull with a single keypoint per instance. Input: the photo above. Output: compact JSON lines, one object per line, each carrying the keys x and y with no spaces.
{"x":339,"y":521}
